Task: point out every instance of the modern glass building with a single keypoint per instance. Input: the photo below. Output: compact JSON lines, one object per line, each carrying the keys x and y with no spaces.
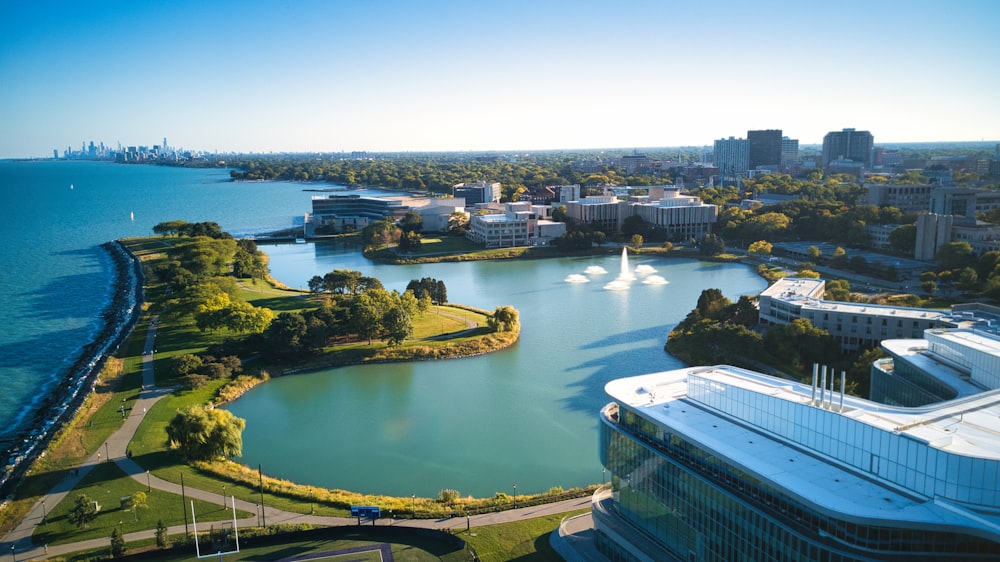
{"x":720,"y":463}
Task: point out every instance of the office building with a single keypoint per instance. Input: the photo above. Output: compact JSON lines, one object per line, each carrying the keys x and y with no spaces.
{"x":725,"y":464}
{"x":789,"y":151}
{"x":848,"y":144}
{"x":764,"y":149}
{"x":478,"y":192}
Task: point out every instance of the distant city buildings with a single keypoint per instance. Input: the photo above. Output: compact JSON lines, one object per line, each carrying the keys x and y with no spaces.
{"x":732,"y":157}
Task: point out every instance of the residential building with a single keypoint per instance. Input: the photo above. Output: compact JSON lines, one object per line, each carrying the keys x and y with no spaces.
{"x":732,"y":157}
{"x":722,"y":464}
{"x":764,"y":149}
{"x":478,"y":192}
{"x":789,"y":151}
{"x":848,"y":144}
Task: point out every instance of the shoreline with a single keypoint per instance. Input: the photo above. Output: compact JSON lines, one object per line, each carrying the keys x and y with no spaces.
{"x":61,"y":403}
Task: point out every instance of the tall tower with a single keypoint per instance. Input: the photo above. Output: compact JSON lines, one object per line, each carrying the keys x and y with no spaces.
{"x":848,"y":144}
{"x":765,"y":148}
{"x":732,"y":157}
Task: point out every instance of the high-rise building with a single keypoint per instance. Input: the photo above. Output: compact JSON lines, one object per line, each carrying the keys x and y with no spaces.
{"x":732,"y":157}
{"x":848,"y":144}
{"x":764,"y":148}
{"x":721,"y":463}
{"x":789,"y":151}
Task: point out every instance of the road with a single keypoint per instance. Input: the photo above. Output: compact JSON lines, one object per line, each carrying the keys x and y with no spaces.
{"x":19,"y":543}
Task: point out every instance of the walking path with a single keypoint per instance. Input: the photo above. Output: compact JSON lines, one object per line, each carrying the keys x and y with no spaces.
{"x":19,"y":543}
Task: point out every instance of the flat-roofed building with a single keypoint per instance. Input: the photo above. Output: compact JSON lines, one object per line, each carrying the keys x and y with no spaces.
{"x":518,"y":225}
{"x":478,"y":192}
{"x":721,"y":463}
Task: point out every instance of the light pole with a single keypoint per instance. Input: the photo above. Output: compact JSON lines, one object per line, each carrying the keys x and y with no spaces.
{"x":149,"y":486}
{"x":223,"y":495}
{"x":106,"y":453}
{"x":413,"y":506}
{"x":43,"y":512}
{"x":604,"y":476}
{"x":515,"y":496}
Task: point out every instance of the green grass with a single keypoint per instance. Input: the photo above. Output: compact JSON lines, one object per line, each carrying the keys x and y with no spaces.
{"x":106,"y":484}
{"x":524,"y":541}
{"x":406,"y":545}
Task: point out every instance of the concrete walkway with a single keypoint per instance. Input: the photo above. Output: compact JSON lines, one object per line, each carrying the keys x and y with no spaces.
{"x":19,"y":543}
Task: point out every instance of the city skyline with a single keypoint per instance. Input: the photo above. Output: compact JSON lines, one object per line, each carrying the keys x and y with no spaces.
{"x":446,"y":76}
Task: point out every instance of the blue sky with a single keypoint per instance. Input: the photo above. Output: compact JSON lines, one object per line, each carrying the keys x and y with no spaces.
{"x":511,"y":75}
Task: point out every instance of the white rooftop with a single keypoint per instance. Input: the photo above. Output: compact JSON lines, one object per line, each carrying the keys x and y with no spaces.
{"x":966,"y":426}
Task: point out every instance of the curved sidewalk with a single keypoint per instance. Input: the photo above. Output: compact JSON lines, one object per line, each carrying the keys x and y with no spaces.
{"x":19,"y":542}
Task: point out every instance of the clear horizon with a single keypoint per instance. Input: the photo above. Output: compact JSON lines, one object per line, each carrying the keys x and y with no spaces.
{"x":444,"y":76}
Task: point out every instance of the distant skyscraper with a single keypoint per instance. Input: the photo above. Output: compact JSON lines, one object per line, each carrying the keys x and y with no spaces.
{"x":765,"y":148}
{"x":789,"y":151}
{"x":732,"y":157}
{"x":848,"y":144}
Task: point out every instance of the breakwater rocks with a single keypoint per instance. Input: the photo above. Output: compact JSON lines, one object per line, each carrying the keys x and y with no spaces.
{"x":62,"y":403}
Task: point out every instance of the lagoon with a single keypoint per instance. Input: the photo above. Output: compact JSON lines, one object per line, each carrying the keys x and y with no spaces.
{"x":524,"y":416}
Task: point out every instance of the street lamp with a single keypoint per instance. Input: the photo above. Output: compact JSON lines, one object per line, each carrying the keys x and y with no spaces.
{"x":604,"y":476}
{"x":413,"y":506}
{"x":149,"y":486}
{"x":515,"y":496}
{"x":223,"y":495}
{"x":43,"y":512}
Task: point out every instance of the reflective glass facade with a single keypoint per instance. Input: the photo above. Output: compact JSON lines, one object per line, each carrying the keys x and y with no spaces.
{"x":691,"y":503}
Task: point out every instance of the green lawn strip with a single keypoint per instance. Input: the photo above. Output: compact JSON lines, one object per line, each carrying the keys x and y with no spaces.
{"x":107,"y":484}
{"x":524,"y":541}
{"x":406,"y":545}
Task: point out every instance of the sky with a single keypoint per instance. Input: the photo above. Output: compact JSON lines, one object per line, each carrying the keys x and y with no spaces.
{"x":429,"y":75}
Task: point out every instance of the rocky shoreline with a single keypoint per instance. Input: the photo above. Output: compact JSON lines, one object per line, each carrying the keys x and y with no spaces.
{"x":63,"y":402}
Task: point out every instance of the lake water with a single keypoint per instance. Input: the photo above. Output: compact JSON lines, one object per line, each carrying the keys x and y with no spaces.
{"x":524,"y":416}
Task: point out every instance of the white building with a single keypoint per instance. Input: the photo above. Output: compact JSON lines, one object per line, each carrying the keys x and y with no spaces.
{"x":666,"y":208}
{"x":518,"y":225}
{"x":720,"y":463}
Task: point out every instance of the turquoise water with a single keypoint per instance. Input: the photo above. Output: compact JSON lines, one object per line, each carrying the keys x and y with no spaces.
{"x":56,"y":280}
{"x":524,"y":416}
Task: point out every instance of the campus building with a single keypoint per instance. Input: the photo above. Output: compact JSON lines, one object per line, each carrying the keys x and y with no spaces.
{"x":725,"y":464}
{"x":478,"y":192}
{"x":350,"y":212}
{"x":666,"y":208}
{"x":520,"y":224}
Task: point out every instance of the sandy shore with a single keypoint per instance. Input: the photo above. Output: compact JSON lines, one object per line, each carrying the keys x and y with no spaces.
{"x":65,"y":399}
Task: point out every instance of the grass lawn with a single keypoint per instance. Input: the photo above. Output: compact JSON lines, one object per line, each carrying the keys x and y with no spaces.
{"x":106,"y":484}
{"x":406,"y":545}
{"x":524,"y":541}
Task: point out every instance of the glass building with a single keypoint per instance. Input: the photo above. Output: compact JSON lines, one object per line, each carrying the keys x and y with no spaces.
{"x":720,"y":463}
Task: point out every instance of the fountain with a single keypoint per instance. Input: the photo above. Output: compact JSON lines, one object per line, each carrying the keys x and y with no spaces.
{"x":643,"y":269}
{"x":576,"y":278}
{"x":623,"y":281}
{"x":655,"y":280}
{"x":595,"y":270}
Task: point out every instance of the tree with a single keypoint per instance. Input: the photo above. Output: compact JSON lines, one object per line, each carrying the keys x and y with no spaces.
{"x":504,"y":319}
{"x":83,"y":511}
{"x":412,"y":221}
{"x":815,"y":253}
{"x":138,"y":501}
{"x":904,"y":239}
{"x":760,"y":248}
{"x":955,"y":255}
{"x":711,"y":245}
{"x":636,"y":241}
{"x":161,"y":534}
{"x":201,"y":433}
{"x":458,"y":223}
{"x":397,"y":325}
{"x":117,"y":544}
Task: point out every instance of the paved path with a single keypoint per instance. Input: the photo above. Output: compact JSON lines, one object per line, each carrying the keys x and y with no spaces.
{"x":18,"y":542}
